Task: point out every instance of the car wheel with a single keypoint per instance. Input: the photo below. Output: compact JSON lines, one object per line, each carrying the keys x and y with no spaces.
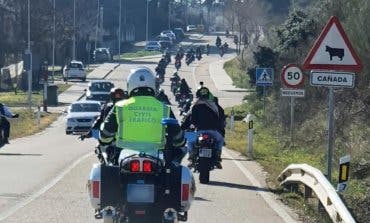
{"x":64,"y":79}
{"x":68,"y":132}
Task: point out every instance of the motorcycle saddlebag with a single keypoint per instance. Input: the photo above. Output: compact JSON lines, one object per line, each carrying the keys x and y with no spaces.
{"x":111,"y":194}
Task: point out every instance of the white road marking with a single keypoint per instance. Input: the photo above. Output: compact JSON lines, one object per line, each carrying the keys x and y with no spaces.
{"x":44,"y":189}
{"x":265,"y":195}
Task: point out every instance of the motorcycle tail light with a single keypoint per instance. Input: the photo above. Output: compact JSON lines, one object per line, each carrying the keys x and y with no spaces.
{"x":185,"y":192}
{"x":135,"y":166}
{"x":147,"y":166}
{"x":96,"y":189}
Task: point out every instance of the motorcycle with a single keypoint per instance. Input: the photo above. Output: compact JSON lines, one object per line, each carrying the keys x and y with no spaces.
{"x":142,"y":187}
{"x":199,"y":56}
{"x":175,"y":84}
{"x":185,"y":106}
{"x":189,"y":58}
{"x":205,"y":156}
{"x":177,"y":64}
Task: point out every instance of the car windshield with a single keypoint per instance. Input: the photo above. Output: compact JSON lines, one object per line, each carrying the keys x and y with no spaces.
{"x":75,"y":65}
{"x":85,"y":107}
{"x":99,"y":97}
{"x":103,"y":86}
{"x":165,"y":38}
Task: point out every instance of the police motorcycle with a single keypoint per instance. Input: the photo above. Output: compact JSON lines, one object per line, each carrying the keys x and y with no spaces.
{"x":205,"y":155}
{"x":185,"y":106}
{"x":189,"y":58}
{"x":175,"y":82}
{"x":141,"y":187}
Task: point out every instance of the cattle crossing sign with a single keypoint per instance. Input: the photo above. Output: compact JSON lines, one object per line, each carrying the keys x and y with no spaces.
{"x":333,"y":50}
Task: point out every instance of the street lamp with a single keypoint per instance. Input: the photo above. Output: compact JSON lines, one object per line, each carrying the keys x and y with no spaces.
{"x":97,"y":24}
{"x":119,"y":30}
{"x":30,"y":57}
{"x":53,"y":56}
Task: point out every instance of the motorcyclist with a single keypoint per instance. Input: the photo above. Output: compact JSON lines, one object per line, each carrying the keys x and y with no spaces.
{"x":167,"y":56}
{"x":163,"y":97}
{"x":203,"y":107}
{"x":225,"y":46}
{"x":207,"y":48}
{"x":218,"y":41}
{"x":198,"y":52}
{"x":4,"y":123}
{"x":184,"y":87}
{"x":116,"y":94}
{"x":135,"y":124}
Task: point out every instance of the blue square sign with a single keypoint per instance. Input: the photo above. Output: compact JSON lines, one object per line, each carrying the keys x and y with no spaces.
{"x":264,"y":76}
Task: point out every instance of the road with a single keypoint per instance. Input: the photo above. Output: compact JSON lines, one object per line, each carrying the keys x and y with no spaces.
{"x":43,"y":177}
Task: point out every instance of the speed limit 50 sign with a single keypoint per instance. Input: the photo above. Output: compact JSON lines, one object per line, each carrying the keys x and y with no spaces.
{"x":292,"y":76}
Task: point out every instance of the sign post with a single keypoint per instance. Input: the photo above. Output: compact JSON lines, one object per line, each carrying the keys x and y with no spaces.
{"x":332,"y":52}
{"x":264,"y":78}
{"x":293,"y":78}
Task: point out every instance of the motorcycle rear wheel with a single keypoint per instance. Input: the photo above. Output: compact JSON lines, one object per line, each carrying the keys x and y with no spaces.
{"x":204,"y":172}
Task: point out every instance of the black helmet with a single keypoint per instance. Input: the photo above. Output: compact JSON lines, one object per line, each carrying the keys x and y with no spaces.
{"x":117,"y":94}
{"x":202,"y":92}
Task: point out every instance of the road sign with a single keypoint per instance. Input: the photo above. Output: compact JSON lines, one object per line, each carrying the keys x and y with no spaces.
{"x":333,"y":50}
{"x":332,"y":79}
{"x":343,"y":173}
{"x":292,"y":76}
{"x":264,"y":76}
{"x":297,"y":93}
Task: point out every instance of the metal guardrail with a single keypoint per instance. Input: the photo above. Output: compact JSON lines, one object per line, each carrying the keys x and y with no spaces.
{"x":313,"y":178}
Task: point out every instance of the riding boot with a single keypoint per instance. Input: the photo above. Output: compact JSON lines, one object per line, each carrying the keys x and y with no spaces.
{"x":218,"y":160}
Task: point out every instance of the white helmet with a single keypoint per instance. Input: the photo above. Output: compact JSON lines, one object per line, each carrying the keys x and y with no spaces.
{"x":140,"y":77}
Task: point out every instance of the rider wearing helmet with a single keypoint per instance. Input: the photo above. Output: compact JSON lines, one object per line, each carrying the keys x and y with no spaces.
{"x":135,"y":123}
{"x":116,"y":94}
{"x":205,"y":106}
{"x":163,"y":97}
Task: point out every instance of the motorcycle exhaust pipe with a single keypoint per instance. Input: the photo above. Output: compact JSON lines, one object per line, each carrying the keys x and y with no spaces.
{"x":170,"y":216}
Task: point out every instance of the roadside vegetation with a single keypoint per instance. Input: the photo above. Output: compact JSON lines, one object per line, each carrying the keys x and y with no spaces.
{"x":139,"y":53}
{"x":286,"y":42}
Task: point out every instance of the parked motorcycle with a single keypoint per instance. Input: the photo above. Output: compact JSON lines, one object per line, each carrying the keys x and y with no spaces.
{"x":142,"y":187}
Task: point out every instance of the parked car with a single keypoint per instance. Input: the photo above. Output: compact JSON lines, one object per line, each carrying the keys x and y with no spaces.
{"x":170,"y":34}
{"x":102,"y":55}
{"x":153,"y":46}
{"x":74,"y":70}
{"x":81,"y":115}
{"x":191,"y":28}
{"x":99,"y":90}
{"x":179,"y":32}
{"x":165,"y":42}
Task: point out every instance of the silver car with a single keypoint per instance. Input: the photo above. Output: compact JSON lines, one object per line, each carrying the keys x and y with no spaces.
{"x":99,"y":90}
{"x":81,"y":116}
{"x":74,"y":70}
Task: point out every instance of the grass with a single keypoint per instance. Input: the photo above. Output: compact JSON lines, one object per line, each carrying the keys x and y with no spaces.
{"x":140,"y":53}
{"x":21,"y":98}
{"x":26,"y":124}
{"x":239,"y":76}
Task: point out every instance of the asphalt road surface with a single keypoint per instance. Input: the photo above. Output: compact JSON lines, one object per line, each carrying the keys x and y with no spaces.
{"x":43,"y":177}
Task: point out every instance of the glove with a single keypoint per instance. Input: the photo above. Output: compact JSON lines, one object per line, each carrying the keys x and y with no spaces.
{"x":15,"y":116}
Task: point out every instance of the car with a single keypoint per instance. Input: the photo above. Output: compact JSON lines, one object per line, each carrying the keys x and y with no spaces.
{"x":74,"y":70}
{"x":153,"y":46}
{"x":170,"y":34}
{"x":165,"y":42}
{"x":179,"y":32}
{"x":81,"y":116}
{"x":99,"y":90}
{"x":102,"y":55}
{"x":191,"y":28}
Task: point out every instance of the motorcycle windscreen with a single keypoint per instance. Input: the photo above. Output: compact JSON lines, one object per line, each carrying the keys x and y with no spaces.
{"x":140,"y":193}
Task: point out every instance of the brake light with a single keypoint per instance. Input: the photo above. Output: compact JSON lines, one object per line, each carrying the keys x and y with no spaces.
{"x":147,"y":166}
{"x":185,"y":192}
{"x":205,"y":136}
{"x":135,"y":166}
{"x":96,"y":189}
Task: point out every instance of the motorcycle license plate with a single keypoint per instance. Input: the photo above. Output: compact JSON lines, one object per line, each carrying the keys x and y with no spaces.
{"x":205,"y":153}
{"x":140,"y":193}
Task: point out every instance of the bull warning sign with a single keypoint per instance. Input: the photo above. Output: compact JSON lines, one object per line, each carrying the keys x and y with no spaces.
{"x":333,"y":50}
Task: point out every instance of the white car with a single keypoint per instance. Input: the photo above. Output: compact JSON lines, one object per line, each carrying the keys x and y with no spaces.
{"x":170,"y":34}
{"x":99,"y":90}
{"x":191,"y":28}
{"x":81,"y":116}
{"x":153,"y":46}
{"x":74,"y":70}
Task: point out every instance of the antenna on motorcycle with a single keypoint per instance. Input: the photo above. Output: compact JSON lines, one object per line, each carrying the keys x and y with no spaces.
{"x":201,"y":83}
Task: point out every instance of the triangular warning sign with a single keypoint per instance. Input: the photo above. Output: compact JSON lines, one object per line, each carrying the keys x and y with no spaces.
{"x":264,"y":77}
{"x":332,"y":50}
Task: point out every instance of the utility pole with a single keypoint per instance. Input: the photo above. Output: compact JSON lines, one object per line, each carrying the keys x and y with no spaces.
{"x":74,"y":31}
{"x":29,"y":52}
{"x":147,"y":20}
{"x":53,"y":56}
{"x":119,"y":30}
{"x":169,"y":15}
{"x":97,"y":25}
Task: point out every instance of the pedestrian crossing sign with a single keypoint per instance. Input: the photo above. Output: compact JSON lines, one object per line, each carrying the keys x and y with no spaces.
{"x":264,"y":76}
